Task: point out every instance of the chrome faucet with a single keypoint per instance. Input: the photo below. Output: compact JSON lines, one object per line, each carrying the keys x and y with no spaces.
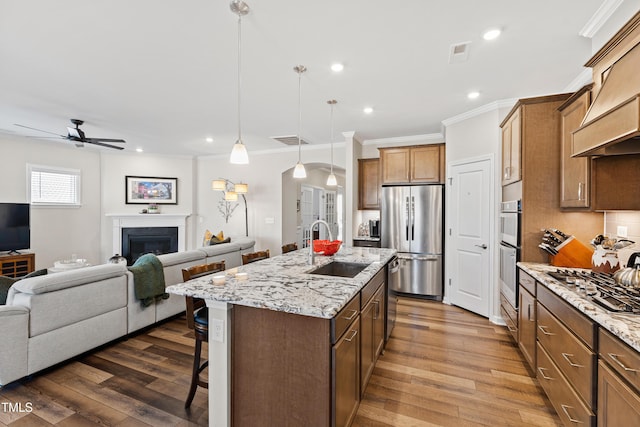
{"x":311,"y":254}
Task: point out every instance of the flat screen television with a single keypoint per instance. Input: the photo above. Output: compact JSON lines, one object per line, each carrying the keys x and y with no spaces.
{"x":14,"y":226}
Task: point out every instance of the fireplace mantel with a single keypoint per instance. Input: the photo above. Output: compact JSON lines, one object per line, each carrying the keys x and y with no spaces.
{"x":121,"y":221}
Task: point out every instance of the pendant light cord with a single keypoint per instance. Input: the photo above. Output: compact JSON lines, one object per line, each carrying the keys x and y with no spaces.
{"x":299,"y":114}
{"x":332,"y":104}
{"x":239,"y":67}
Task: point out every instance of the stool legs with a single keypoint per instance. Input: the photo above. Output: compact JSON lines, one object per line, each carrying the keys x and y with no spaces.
{"x":195,"y":375}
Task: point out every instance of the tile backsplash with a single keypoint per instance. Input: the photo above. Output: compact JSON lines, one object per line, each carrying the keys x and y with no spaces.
{"x":629,"y":219}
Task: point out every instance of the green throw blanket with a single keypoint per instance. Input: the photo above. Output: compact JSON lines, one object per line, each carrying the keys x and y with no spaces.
{"x":148,"y":279}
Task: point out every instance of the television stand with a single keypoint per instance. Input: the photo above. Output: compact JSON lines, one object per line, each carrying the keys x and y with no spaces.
{"x":17,"y":265}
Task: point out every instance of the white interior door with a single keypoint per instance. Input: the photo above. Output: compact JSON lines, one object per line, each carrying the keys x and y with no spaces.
{"x":470,"y":210}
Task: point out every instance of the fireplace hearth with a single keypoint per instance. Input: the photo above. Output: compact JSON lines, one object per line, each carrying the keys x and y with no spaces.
{"x":137,"y":241}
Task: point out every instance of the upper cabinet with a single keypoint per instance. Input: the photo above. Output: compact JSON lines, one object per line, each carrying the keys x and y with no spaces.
{"x":414,"y":164}
{"x":368,"y":184}
{"x":575,"y":172}
{"x":511,"y":148}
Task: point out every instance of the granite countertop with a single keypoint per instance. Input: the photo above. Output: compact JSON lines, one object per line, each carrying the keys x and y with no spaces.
{"x":624,"y":326}
{"x":282,"y":283}
{"x":368,"y":238}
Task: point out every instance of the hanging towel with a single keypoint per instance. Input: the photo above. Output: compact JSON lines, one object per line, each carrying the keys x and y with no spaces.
{"x":148,"y":280}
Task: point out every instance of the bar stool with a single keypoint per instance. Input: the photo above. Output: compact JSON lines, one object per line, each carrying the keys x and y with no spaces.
{"x":198,"y":321}
{"x":254,"y":256}
{"x":289,"y":247}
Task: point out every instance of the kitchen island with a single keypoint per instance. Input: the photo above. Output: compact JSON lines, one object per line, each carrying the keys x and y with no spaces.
{"x":282,"y":340}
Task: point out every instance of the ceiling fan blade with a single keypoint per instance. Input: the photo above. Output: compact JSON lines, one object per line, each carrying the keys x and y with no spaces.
{"x":91,"y":141}
{"x":103,"y":140}
{"x":39,"y":130}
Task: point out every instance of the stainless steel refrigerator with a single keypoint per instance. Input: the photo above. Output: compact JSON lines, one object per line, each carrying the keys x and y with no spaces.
{"x":412,"y":223}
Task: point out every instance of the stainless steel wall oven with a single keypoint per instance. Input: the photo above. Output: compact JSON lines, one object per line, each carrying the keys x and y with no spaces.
{"x":510,"y":214}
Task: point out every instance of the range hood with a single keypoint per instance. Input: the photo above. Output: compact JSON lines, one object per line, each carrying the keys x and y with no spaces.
{"x":612,"y":124}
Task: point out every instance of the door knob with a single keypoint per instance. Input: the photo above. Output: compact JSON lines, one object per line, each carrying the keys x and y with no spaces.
{"x":483,"y":246}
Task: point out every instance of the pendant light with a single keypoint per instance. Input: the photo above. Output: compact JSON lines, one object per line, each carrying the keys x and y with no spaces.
{"x":331,"y":179}
{"x":239,"y":153}
{"x":299,"y":171}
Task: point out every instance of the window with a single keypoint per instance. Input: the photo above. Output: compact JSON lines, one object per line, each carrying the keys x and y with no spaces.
{"x":53,"y":186}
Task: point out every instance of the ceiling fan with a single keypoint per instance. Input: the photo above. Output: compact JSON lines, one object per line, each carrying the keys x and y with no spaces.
{"x":77,"y":135}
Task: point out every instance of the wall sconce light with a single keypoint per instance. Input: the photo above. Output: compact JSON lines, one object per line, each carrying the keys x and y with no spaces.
{"x":231,"y":191}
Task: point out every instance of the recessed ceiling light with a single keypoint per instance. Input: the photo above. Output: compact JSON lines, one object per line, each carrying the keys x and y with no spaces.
{"x":473,"y":95}
{"x":139,"y":150}
{"x":337,"y":67}
{"x":209,"y":139}
{"x":368,"y":110}
{"x":491,"y":34}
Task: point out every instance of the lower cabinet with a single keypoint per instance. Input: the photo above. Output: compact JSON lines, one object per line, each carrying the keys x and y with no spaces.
{"x":372,"y":339}
{"x":618,"y":383}
{"x":527,"y":326}
{"x":346,"y":375}
{"x":510,"y":316}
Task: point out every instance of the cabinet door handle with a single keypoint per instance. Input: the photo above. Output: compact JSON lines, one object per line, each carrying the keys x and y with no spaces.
{"x":353,"y":335}
{"x":542,"y":328}
{"x":541,"y":370}
{"x":567,"y":356}
{"x":507,"y":172}
{"x":580,"y":187}
{"x":565,"y":409}
{"x":355,"y":312}
{"x":376,"y":313}
{"x":529,"y":312}
{"x":614,"y":357}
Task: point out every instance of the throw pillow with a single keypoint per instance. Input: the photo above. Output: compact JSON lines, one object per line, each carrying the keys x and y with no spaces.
{"x":220,"y":235}
{"x":5,"y":284}
{"x":214,"y":241}
{"x":207,"y":237}
{"x":41,"y":272}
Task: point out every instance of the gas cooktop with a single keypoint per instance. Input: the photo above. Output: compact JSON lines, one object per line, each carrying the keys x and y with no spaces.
{"x":601,"y":288}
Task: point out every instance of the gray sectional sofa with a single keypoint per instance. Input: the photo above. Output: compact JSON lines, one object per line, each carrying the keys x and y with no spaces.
{"x":51,"y":318}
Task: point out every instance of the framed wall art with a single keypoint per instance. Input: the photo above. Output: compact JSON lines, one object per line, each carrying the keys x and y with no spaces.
{"x":145,"y":190}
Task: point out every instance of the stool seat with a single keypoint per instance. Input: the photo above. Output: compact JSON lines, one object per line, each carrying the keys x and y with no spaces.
{"x":201,"y":317}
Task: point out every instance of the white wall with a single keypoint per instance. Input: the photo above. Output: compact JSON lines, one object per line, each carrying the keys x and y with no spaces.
{"x":472,"y":137}
{"x":56,"y":233}
{"x":117,"y":165}
{"x":265,"y":198}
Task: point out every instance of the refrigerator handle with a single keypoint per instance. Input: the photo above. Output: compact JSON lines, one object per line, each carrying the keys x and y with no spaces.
{"x":407,"y":218}
{"x":413,"y":215}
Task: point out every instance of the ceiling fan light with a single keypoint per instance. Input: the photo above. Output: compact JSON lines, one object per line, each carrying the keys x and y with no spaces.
{"x":218,"y":185}
{"x":241,"y":188}
{"x":299,"y":171}
{"x":230,"y":196}
{"x":331,"y":180}
{"x":239,"y":155}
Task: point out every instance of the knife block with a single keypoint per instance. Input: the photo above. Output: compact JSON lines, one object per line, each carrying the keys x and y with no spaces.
{"x":573,"y":254}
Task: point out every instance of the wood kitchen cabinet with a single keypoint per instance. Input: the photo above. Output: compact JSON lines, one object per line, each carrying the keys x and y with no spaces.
{"x":575,"y":172}
{"x":511,"y":148}
{"x":372,"y":337}
{"x":369,"y":184}
{"x":413,"y":164}
{"x":618,"y":383}
{"x":566,"y":358}
{"x":346,"y":375}
{"x":527,"y":318}
{"x":538,"y":189}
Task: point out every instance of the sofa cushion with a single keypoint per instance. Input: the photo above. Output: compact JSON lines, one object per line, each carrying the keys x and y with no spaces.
{"x":215,"y":241}
{"x":180,"y":257}
{"x":68,"y":279}
{"x":5,"y":284}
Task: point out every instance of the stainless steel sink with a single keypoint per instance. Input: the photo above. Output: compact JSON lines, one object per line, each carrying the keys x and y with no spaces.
{"x":341,"y":269}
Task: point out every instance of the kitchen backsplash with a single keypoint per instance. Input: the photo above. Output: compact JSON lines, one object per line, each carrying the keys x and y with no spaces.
{"x":629,"y":219}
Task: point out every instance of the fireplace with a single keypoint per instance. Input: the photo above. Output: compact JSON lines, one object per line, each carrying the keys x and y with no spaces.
{"x":138,"y":241}
{"x":120,"y":222}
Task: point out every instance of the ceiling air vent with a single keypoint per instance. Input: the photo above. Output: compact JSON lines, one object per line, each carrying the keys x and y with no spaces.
{"x":459,"y":52}
{"x":289,"y":139}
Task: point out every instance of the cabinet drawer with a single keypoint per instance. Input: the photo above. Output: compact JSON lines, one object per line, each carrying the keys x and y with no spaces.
{"x":370,"y":288}
{"x":578,"y":323}
{"x":571,"y":356}
{"x":344,"y":318}
{"x":570,"y":408}
{"x":526,"y":281}
{"x":508,"y":308}
{"x":511,"y":324}
{"x":622,"y":358}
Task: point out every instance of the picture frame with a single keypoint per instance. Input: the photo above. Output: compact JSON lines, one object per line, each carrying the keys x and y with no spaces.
{"x":144,"y":190}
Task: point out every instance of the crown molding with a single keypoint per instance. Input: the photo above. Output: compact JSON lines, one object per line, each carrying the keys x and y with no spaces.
{"x":431,"y":137}
{"x":584,"y":78}
{"x":599,"y":18}
{"x":493,"y":106}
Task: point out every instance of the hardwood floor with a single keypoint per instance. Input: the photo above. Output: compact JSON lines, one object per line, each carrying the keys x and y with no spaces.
{"x":442,"y":367}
